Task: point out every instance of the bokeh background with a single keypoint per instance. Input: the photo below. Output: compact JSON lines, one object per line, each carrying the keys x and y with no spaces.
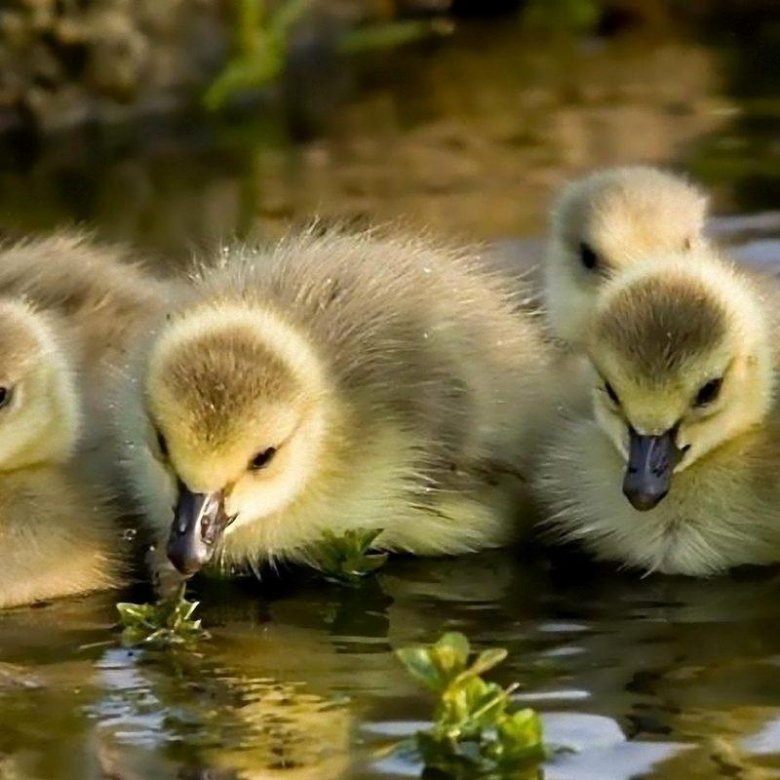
{"x":175,"y":123}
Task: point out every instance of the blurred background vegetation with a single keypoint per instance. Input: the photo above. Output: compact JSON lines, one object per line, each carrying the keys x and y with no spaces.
{"x":173,"y":123}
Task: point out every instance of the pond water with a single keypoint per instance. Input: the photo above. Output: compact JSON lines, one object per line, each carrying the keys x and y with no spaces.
{"x":660,"y":678}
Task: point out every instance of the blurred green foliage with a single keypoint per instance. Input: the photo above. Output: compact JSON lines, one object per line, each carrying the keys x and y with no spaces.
{"x":262,"y":40}
{"x":579,"y":16}
{"x":260,"y":48}
{"x":389,"y":35}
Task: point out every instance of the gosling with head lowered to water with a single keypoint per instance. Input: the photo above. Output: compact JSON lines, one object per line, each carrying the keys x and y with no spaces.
{"x":333,"y":382}
{"x":675,"y":470}
{"x":604,"y":222}
{"x":58,"y":536}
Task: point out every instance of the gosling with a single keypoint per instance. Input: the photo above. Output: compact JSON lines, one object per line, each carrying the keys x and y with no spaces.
{"x":105,"y":299}
{"x":603,"y":223}
{"x":332,"y":382}
{"x":57,"y":535}
{"x":100,"y":290}
{"x":684,"y":418}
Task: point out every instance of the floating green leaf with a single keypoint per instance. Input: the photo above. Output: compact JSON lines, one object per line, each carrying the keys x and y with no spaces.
{"x":418,"y":663}
{"x":520,"y":737}
{"x":451,"y":654}
{"x":168,"y":622}
{"x":488,"y":659}
{"x":477,"y":731}
{"x":346,"y":558}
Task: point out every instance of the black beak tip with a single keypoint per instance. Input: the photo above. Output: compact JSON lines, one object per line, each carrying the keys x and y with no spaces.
{"x":643,"y":500}
{"x":187,"y":558}
{"x":184,"y":566}
{"x":199,"y":520}
{"x":650,"y":467}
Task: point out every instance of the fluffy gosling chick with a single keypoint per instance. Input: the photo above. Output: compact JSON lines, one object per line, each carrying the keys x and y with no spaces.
{"x":104,"y":299}
{"x":56,"y":535}
{"x":335,"y":382}
{"x":604,"y":222}
{"x":105,"y":296}
{"x":676,"y":468}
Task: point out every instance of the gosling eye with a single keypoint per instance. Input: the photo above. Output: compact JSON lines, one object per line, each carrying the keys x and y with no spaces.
{"x":162,"y":444}
{"x":6,"y":393}
{"x":588,"y":256}
{"x":262,"y":459}
{"x":613,"y":396}
{"x":708,"y":392}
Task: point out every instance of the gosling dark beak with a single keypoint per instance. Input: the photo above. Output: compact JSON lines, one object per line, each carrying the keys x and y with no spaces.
{"x":651,"y":461}
{"x":198,"y":523}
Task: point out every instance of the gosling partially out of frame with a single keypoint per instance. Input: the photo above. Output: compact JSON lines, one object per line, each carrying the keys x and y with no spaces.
{"x":105,"y":298}
{"x":332,"y":382}
{"x":58,"y":536}
{"x":675,"y":469}
{"x":604,"y":222}
{"x":100,"y":290}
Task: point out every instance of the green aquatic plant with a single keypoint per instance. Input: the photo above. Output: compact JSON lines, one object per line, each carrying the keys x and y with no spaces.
{"x":347,"y":558}
{"x":165,"y":623}
{"x":477,"y":730}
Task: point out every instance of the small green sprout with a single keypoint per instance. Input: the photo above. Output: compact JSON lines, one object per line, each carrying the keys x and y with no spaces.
{"x":477,"y":731}
{"x":168,"y":622}
{"x":345,"y":559}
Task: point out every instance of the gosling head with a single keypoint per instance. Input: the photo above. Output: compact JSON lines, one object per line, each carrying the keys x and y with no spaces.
{"x":236,"y":407}
{"x":603,"y":223}
{"x":39,"y":409}
{"x":682,"y":363}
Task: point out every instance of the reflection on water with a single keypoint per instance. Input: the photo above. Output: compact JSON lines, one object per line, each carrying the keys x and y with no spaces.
{"x":655,"y":678}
